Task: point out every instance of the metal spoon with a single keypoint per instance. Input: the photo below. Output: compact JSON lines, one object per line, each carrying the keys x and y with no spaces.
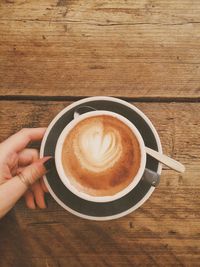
{"x":173,"y":164}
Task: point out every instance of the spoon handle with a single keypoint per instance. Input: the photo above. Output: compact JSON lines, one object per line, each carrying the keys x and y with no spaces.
{"x":173,"y":164}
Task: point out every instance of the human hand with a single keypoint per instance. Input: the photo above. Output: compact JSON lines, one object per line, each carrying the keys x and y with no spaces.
{"x":20,"y":170}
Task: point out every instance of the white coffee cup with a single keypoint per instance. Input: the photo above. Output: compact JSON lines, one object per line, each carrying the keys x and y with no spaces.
{"x":60,"y":169}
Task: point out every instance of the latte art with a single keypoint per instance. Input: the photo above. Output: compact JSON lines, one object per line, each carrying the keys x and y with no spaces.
{"x":100,"y":155}
{"x":97,"y":149}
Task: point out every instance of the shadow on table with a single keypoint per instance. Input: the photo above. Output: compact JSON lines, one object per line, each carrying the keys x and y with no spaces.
{"x":13,"y":248}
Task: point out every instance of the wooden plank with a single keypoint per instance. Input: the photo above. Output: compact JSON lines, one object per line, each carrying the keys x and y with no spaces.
{"x":163,"y":232}
{"x":154,"y":11}
{"x":120,"y":48}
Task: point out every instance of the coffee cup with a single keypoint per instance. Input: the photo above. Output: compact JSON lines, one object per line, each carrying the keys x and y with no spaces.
{"x":106,"y":153}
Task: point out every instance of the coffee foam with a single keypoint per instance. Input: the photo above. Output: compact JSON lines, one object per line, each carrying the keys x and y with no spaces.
{"x":97,"y":148}
{"x":101,"y":155}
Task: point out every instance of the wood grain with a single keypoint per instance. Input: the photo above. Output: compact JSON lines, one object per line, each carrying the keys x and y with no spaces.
{"x":146,"y":50}
{"x":165,"y":231}
{"x":127,"y":48}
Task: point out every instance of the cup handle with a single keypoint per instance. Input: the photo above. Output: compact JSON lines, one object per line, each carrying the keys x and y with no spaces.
{"x":82,"y":110}
{"x":151,"y":177}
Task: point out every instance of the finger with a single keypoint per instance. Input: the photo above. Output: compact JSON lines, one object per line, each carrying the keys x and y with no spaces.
{"x":39,"y":195}
{"x":14,"y":188}
{"x":36,"y":170}
{"x":21,"y":139}
{"x":10,"y":192}
{"x":27,"y":156}
{"x":29,"y":199}
{"x":44,"y":187}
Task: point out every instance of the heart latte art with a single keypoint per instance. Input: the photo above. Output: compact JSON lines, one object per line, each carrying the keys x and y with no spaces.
{"x":101,"y":155}
{"x":96,"y":149}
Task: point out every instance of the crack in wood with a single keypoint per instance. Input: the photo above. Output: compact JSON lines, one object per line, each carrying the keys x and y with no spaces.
{"x":75,"y":98}
{"x":104,"y":24}
{"x":44,"y":223}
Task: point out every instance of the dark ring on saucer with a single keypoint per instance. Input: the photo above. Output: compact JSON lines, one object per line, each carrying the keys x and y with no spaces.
{"x":100,"y":209}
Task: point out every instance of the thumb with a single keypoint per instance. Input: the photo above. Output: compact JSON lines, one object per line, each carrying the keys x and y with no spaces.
{"x":30,"y":174}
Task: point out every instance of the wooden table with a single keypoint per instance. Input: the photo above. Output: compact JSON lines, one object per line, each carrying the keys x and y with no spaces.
{"x":145,"y":51}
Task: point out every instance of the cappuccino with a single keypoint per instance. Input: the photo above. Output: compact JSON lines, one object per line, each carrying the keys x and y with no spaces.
{"x":101,"y":155}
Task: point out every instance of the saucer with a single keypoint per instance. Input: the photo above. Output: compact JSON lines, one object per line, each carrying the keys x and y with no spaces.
{"x":101,"y":210}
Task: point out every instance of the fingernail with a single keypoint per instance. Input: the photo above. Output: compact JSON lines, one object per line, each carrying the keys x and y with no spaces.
{"x":49,"y":164}
{"x":45,"y":200}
